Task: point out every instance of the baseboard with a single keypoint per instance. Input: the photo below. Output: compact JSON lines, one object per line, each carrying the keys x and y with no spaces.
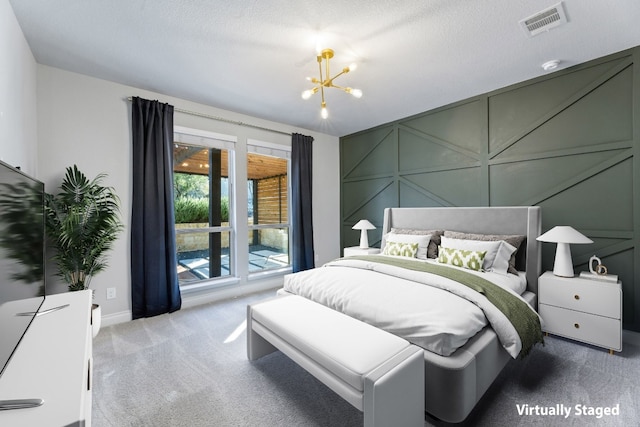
{"x":115,"y":318}
{"x":194,"y":299}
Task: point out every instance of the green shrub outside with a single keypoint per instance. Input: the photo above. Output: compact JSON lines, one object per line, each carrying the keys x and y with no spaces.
{"x":196,"y":210}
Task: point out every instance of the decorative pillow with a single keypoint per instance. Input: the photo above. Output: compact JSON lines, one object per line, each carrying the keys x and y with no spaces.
{"x":489,"y":248}
{"x":401,"y":249}
{"x":514,"y":240}
{"x":421,"y":240}
{"x":471,"y":260}
{"x":432,"y":249}
{"x":501,"y":262}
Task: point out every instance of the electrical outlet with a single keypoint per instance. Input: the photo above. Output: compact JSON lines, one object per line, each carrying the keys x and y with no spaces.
{"x":111,"y":293}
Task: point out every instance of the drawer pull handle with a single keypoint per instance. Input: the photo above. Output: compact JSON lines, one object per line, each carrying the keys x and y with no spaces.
{"x":576,"y":325}
{"x":577,"y":297}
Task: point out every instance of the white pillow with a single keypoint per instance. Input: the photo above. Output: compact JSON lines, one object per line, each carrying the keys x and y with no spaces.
{"x":421,"y":239}
{"x":501,"y":263}
{"x":497,"y":256}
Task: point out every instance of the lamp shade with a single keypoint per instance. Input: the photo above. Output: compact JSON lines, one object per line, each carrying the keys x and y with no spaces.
{"x":363,"y":225}
{"x":563,"y":235}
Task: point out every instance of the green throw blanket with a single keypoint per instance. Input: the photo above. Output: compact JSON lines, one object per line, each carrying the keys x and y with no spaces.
{"x":525,"y":321}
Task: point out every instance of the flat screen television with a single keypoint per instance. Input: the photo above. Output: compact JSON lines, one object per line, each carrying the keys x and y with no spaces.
{"x":22,"y":257}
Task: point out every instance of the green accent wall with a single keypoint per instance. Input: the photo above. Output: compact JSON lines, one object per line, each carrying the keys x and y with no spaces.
{"x":568,"y":142}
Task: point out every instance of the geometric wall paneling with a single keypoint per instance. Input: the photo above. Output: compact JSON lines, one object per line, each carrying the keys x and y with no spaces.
{"x":600,"y":202}
{"x":418,"y":151}
{"x":372,"y":210}
{"x":609,"y":250}
{"x":603,"y":115}
{"x":567,"y":141}
{"x":530,"y":182}
{"x":367,"y":198}
{"x":603,"y":248}
{"x":444,"y":125}
{"x":368,"y":154}
{"x":367,"y":167}
{"x":380,"y":160}
{"x":456,"y":187}
{"x":522,"y":110}
{"x":412,"y":196}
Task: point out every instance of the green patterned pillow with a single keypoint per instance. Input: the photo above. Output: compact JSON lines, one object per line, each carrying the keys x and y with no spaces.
{"x":401,"y":249}
{"x":471,"y":260}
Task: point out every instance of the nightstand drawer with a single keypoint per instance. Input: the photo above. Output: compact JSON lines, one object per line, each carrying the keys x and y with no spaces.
{"x":581,"y":295}
{"x":588,"y":328}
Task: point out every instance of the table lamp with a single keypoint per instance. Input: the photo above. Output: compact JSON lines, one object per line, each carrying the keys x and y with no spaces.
{"x":363,"y":225}
{"x":563,"y":235}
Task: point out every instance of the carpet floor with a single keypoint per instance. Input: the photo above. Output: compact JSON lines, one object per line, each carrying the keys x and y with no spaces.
{"x":189,"y":368}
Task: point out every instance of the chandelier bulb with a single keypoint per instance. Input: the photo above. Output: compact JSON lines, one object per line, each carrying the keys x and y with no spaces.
{"x":353,"y":67}
{"x":324,"y":113}
{"x":356,"y":92}
{"x":307,"y":93}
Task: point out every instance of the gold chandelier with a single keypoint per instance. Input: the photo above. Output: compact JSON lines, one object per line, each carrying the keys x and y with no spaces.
{"x":327,"y":81}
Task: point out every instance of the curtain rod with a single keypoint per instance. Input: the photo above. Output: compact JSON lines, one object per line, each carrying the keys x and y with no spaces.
{"x":222,"y":119}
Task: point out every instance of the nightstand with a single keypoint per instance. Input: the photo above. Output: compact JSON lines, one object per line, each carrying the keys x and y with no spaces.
{"x":584,"y":310}
{"x":356,"y":250}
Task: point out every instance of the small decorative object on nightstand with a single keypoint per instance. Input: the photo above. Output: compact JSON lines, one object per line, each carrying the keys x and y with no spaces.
{"x":585,"y":310}
{"x":599,"y":272}
{"x":356,"y":250}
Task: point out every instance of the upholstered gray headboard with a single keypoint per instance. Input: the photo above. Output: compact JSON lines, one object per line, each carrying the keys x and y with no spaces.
{"x":522,"y":220}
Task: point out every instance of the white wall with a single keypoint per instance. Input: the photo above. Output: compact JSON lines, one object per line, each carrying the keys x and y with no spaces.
{"x":87,"y":121}
{"x":18,"y":128}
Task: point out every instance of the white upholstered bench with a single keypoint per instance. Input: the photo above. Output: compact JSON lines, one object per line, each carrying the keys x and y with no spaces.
{"x":379,"y":373}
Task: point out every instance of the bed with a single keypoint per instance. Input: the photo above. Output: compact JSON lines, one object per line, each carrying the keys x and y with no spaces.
{"x":457,"y":374}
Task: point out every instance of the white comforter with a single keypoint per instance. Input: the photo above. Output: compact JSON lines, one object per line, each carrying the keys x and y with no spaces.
{"x":432,"y":318}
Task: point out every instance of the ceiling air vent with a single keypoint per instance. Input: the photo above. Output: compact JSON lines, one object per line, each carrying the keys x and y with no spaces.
{"x":544,"y":20}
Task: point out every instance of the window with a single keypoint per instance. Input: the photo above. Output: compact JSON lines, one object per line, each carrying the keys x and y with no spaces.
{"x":268,"y":207}
{"x":203,"y":208}
{"x":227,"y":232}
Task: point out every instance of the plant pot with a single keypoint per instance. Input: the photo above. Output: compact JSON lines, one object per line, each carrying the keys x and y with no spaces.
{"x":96,"y":319}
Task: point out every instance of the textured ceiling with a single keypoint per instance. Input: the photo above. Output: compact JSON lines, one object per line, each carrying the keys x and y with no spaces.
{"x":252,"y":56}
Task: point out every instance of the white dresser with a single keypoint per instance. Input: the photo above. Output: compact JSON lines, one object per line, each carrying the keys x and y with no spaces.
{"x":53,"y":363}
{"x":585,"y":310}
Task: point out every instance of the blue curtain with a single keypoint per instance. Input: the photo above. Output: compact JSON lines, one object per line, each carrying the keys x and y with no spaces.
{"x":154,"y":276}
{"x":301,"y":213}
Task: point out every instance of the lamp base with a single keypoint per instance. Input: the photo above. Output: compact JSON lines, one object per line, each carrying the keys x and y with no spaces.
{"x":563,"y":266}
{"x":364,"y":239}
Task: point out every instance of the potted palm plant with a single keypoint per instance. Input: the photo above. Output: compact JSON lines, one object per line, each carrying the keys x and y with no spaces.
{"x":82,"y":222}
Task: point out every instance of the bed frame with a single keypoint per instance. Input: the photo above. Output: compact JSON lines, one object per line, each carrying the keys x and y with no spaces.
{"x":454,"y":384}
